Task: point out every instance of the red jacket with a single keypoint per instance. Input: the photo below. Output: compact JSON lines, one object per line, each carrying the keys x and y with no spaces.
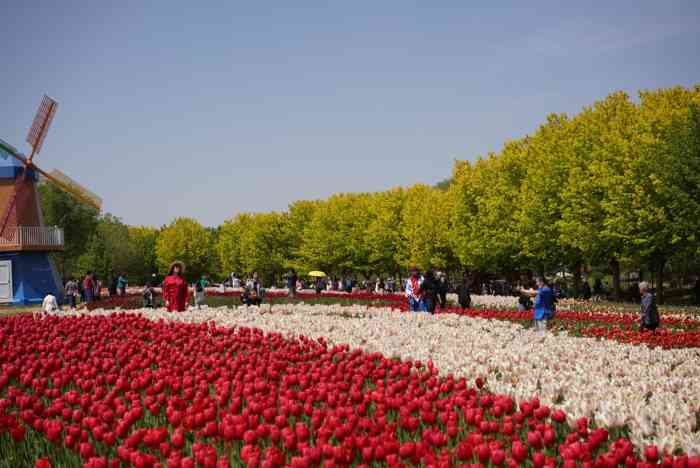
{"x":175,"y":293}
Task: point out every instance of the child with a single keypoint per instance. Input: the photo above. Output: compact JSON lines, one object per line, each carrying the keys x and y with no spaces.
{"x":148,"y":294}
{"x":50,"y":304}
{"x":199,"y":290}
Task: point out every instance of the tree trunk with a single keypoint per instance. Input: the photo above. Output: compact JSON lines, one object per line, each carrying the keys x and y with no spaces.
{"x":660,"y":266}
{"x":615,"y":266}
{"x":577,"y":280}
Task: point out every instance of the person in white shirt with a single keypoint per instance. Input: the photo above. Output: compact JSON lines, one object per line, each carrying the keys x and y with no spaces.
{"x":50,"y":303}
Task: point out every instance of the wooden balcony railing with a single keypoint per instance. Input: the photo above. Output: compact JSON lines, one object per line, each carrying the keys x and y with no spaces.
{"x":16,"y":238}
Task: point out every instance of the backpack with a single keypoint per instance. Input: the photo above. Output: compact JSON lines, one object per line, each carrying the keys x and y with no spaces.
{"x":198,"y":286}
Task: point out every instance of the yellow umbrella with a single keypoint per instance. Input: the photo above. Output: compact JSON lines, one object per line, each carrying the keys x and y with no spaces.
{"x":319,"y":274}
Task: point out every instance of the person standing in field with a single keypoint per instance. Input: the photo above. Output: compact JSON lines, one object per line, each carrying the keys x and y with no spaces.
{"x":98,"y":288}
{"x":71,"y":291}
{"x":443,"y":287}
{"x":649,"y":311}
{"x":543,"y":306}
{"x":414,"y":292}
{"x":122,"y":282}
{"x":175,"y":291}
{"x":464,"y":294}
{"x":200,"y":290}
{"x":431,"y":290}
{"x":88,"y":287}
{"x":112,"y":285}
{"x":292,"y":283}
{"x":148,"y":296}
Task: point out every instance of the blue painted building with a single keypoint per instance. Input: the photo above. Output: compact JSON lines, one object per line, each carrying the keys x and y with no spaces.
{"x":26,"y":271}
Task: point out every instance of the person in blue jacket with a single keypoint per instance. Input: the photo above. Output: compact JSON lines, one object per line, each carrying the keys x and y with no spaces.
{"x":543,"y":309}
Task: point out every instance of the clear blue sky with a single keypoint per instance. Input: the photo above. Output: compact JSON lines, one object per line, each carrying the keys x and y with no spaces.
{"x":177,"y":109}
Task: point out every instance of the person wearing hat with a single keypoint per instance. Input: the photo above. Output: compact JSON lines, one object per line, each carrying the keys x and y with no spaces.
{"x":175,"y":291}
{"x":414,"y":291}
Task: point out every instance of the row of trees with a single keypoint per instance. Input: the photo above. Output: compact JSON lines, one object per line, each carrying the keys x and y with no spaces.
{"x":615,"y":187}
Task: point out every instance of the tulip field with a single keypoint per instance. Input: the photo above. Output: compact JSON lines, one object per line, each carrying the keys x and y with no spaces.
{"x":361,"y":385}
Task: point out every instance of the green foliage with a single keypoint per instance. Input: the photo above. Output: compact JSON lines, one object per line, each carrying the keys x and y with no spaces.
{"x":188,"y":241}
{"x":425,"y":228}
{"x":108,"y":251}
{"x":78,"y":221}
{"x":618,"y":183}
{"x":382,"y":235}
{"x":334,"y":237}
{"x":255,"y":242}
{"x":143,"y":264}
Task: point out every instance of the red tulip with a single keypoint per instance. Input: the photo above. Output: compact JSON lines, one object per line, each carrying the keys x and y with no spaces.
{"x":42,"y":463}
{"x":519,"y":451}
{"x":538,"y":459}
{"x":498,"y":457}
{"x":651,"y":453}
{"x":483,"y":452}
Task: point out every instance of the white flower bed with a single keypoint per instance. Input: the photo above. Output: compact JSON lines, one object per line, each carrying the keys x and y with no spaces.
{"x":655,"y":392}
{"x":490,"y":302}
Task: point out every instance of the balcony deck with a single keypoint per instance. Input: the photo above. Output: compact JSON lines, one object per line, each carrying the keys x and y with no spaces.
{"x":31,"y":238}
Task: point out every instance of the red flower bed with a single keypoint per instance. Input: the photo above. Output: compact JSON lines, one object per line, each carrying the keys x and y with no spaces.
{"x":130,"y":301}
{"x":621,"y":328}
{"x":124,"y":390}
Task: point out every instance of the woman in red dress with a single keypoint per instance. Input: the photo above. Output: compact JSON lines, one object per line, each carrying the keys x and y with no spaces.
{"x":175,"y":289}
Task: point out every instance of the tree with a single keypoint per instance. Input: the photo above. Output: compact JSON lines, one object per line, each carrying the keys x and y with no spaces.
{"x":334,"y":237}
{"x":540,"y":199}
{"x":228,"y":246}
{"x":425,"y":228}
{"x":299,"y":215}
{"x":262,"y":244}
{"x":188,"y":241}
{"x":109,"y":251}
{"x":654,"y":202}
{"x":382,"y":238}
{"x":77,"y":220}
{"x":143,"y":243}
{"x":600,"y":144}
{"x":484,"y":233}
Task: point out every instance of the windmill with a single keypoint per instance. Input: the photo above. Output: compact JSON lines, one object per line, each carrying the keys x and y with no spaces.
{"x":26,"y":271}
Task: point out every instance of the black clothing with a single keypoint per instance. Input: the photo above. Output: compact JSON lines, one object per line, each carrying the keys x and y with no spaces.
{"x":586,"y":290}
{"x":430,"y":292}
{"x":464,"y":296}
{"x":442,"y":292}
{"x":649,"y":312}
{"x":525,"y":301}
{"x":251,"y":297}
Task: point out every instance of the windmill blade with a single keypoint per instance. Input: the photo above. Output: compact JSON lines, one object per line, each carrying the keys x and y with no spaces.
{"x":12,"y":151}
{"x":68,"y":185}
{"x":42,"y":122}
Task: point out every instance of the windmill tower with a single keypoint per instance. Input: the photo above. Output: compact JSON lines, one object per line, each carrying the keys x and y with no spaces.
{"x":26,"y":271}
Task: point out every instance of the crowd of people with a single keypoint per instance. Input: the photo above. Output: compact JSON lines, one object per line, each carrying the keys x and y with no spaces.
{"x":90,"y":288}
{"x":425,"y":292}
